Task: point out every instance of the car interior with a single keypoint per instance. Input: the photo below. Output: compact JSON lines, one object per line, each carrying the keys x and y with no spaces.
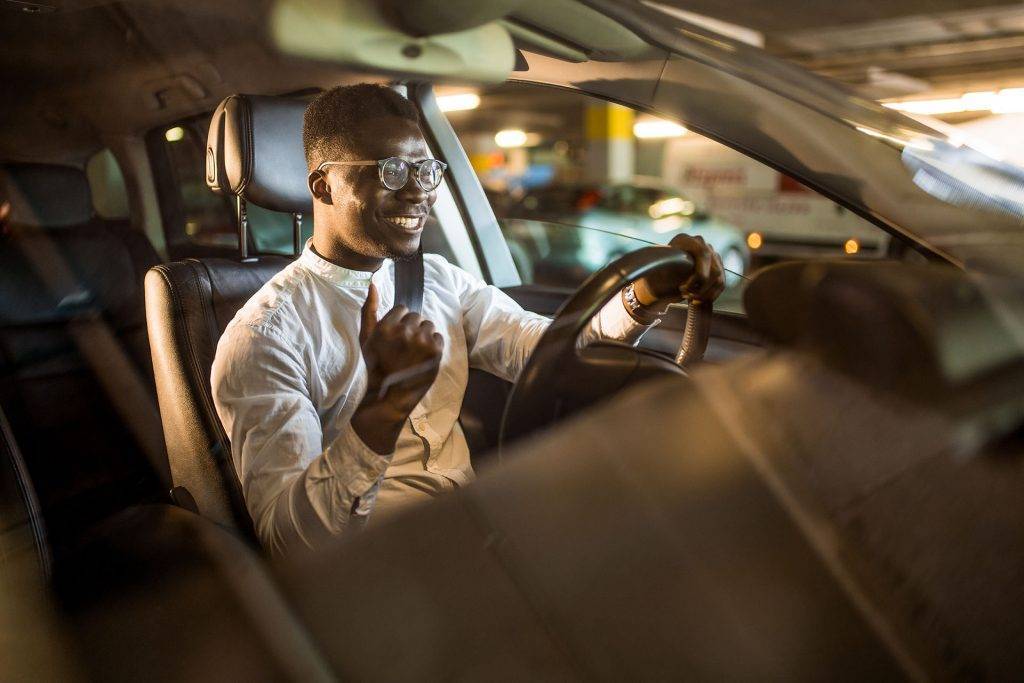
{"x":826,"y":482}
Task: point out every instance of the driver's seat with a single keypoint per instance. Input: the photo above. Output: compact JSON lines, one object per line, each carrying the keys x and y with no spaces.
{"x":254,"y":151}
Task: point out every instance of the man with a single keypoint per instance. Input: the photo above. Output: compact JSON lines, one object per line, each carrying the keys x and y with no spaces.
{"x":335,"y":411}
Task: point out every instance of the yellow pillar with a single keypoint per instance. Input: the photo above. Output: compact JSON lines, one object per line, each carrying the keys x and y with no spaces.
{"x":611,"y":149}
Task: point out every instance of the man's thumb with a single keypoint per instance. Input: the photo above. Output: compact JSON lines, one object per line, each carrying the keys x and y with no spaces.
{"x":368,"y":319}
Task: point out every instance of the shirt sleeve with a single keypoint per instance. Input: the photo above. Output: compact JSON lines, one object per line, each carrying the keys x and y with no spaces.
{"x":297,"y":491}
{"x":501,"y":335}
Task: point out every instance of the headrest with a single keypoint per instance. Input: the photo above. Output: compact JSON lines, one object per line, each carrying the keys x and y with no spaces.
{"x":47,"y":195}
{"x":921,"y":330}
{"x":254,"y":151}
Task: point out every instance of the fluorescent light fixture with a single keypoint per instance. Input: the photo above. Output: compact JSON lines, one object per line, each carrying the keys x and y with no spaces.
{"x":1005,"y":101}
{"x":458,"y":102}
{"x":657,"y":128}
{"x":174,"y":134}
{"x":1010,"y":101}
{"x":513,"y":137}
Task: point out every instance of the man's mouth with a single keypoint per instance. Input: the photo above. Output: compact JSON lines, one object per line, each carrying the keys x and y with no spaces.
{"x":409,"y":223}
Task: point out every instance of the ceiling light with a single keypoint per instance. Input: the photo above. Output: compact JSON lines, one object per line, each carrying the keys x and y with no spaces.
{"x":458,"y":102}
{"x":851,"y":247}
{"x":174,"y":134}
{"x":1006,"y":101}
{"x":1010,"y":101}
{"x":510,"y":138}
{"x":657,"y":128}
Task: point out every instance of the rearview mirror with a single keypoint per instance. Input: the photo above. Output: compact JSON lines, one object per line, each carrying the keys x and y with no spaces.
{"x":356,"y":33}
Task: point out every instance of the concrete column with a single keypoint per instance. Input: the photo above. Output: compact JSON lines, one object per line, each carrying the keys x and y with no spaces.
{"x":611,"y":149}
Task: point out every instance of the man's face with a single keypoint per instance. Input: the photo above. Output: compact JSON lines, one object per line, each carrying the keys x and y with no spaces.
{"x":366,"y":217}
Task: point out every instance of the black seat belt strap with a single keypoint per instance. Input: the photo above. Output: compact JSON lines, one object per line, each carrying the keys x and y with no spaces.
{"x":409,"y":282}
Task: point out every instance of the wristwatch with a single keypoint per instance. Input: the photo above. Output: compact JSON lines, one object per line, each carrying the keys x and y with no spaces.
{"x":640,"y":313}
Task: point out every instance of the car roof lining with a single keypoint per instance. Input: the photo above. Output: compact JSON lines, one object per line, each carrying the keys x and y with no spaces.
{"x":135,"y":66}
{"x":138,"y":65}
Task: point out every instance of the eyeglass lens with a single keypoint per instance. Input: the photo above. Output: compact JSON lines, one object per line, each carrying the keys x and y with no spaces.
{"x":395,"y":173}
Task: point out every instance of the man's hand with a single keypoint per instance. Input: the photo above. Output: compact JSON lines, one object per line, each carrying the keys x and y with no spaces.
{"x":402,"y":353}
{"x":706,"y":282}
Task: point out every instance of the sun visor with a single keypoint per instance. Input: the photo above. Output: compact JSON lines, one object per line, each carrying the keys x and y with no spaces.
{"x":357,"y":34}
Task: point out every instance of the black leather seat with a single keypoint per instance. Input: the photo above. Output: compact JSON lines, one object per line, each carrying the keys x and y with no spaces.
{"x":144,"y":596}
{"x":22,"y":530}
{"x":59,"y":266}
{"x":254,"y":151}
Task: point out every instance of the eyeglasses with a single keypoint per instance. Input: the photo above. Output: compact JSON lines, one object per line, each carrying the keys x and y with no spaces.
{"x":394,"y":171}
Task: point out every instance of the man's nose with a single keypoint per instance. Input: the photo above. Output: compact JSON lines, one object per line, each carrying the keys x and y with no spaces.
{"x":412,"y":192}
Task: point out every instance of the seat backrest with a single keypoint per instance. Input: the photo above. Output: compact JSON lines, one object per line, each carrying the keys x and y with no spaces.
{"x":22,"y":530}
{"x":254,"y":152}
{"x":83,"y":457}
{"x":188,"y":305}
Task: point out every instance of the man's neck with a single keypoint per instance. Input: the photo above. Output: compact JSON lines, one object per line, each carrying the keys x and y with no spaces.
{"x":340,"y":255}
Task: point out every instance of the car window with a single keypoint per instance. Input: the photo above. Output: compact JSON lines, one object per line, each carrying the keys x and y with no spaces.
{"x":106,"y":184}
{"x":198,"y":222}
{"x":554,"y":162}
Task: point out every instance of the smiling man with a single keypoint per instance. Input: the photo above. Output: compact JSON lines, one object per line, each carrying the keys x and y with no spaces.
{"x":338,"y":403}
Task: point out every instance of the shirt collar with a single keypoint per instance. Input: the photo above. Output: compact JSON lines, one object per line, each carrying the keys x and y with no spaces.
{"x":332,"y":272}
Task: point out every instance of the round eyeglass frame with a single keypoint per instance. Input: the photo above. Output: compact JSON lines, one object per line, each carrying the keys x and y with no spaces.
{"x":413,"y":168}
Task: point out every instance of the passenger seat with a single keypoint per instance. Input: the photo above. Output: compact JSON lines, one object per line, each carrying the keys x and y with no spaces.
{"x":83,"y":458}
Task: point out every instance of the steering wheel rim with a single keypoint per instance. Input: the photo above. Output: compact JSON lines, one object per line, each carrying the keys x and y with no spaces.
{"x":534,"y":399}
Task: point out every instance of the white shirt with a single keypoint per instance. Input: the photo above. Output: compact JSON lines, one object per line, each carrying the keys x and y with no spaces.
{"x":289,"y":373}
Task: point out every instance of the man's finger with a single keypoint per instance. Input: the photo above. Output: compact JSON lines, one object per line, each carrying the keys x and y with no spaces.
{"x":426,"y":331}
{"x":412,"y":319}
{"x":395,"y":314}
{"x":717,"y":282}
{"x":701,"y":273}
{"x":368,"y":319}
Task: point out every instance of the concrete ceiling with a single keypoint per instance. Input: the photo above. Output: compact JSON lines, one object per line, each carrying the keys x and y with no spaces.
{"x":889,"y":48}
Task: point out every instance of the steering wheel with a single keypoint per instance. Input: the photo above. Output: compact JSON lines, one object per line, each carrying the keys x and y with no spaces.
{"x":560,"y":379}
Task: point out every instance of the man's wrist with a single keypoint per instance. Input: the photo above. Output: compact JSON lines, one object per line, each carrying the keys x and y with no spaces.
{"x":640,"y":312}
{"x":378,"y":424}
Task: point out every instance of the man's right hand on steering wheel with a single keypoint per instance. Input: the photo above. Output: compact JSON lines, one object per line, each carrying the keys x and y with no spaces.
{"x":662,"y":288}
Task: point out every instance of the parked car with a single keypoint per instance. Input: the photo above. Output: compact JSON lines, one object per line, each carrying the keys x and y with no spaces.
{"x":621,"y":217}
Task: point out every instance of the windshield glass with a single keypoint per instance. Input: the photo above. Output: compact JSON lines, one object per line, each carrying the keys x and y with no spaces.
{"x":966,"y":177}
{"x":841,"y":137}
{"x":562,"y":256}
{"x":577,"y":181}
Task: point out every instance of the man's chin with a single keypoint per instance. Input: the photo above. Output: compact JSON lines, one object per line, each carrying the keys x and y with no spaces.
{"x":404,"y":250}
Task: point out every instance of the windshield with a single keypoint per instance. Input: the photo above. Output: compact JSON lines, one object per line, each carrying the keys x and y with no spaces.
{"x":840,"y":141}
{"x":561,"y":256}
{"x":967,"y":177}
{"x":577,"y":181}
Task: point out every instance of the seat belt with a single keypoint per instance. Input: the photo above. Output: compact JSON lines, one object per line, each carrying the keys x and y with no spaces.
{"x":409,"y":282}
{"x":102,"y":352}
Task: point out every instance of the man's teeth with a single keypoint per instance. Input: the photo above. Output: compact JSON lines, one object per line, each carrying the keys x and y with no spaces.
{"x":405,"y":221}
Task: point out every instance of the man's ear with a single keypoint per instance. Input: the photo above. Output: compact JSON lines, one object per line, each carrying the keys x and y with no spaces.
{"x":319,"y":187}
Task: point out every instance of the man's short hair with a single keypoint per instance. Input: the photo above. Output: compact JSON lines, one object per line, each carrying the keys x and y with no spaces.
{"x":331,"y":126}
